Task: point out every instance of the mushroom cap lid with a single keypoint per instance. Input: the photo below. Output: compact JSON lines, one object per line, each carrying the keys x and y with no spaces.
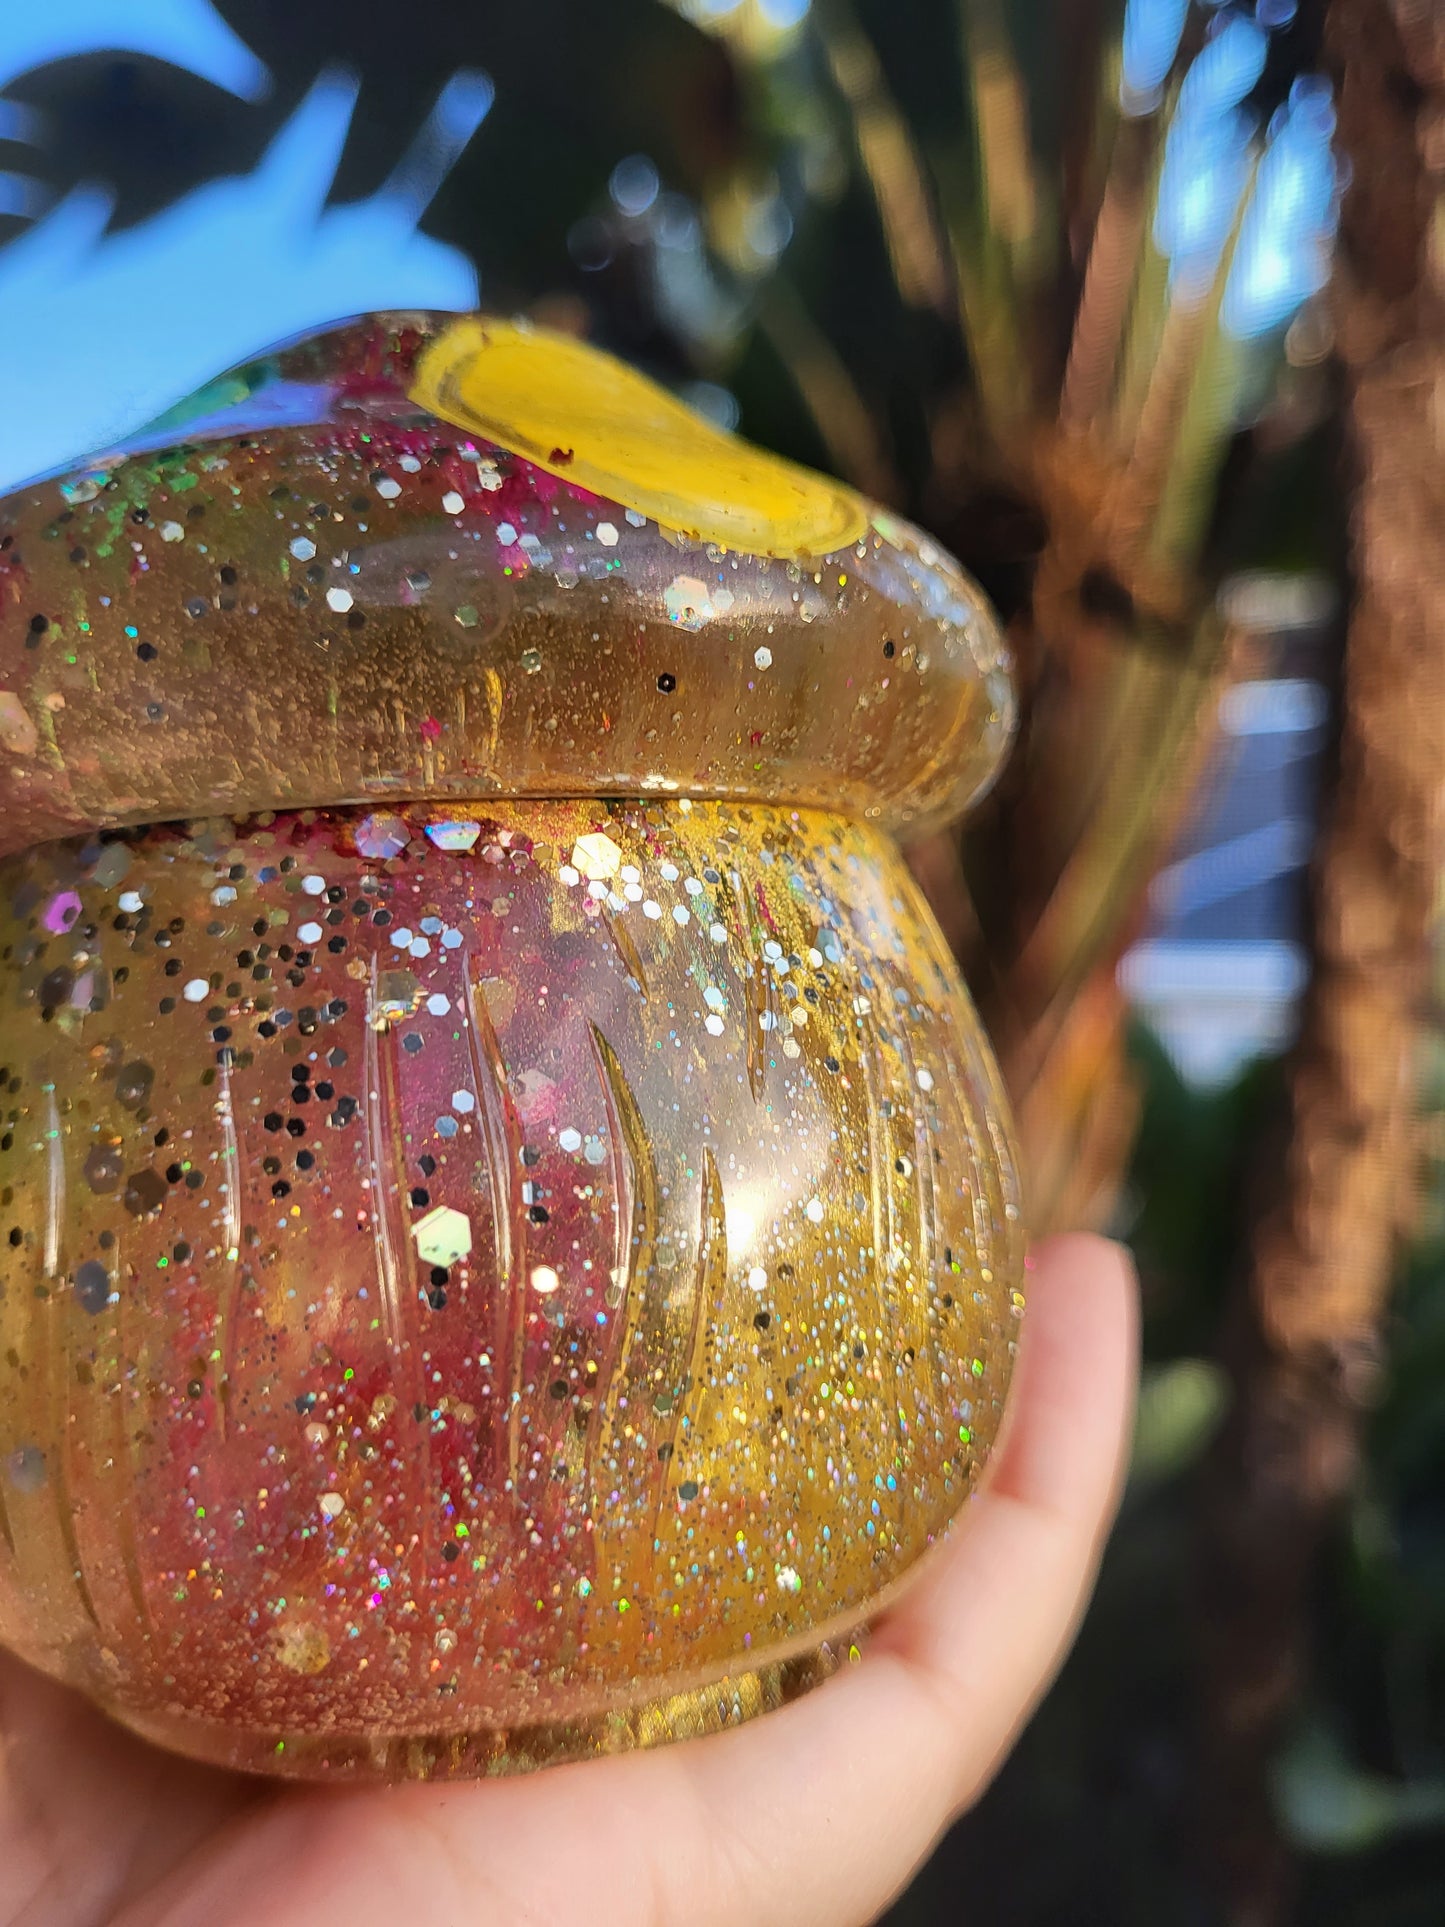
{"x":429,"y":556}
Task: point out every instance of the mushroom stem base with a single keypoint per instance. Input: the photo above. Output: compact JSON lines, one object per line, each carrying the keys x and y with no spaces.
{"x":492,"y":1752}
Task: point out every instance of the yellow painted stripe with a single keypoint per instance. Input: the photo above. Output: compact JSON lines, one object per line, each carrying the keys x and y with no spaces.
{"x":581,"y":415}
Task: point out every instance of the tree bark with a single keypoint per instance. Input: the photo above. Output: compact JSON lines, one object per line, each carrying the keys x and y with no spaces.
{"x":1305,"y":1329}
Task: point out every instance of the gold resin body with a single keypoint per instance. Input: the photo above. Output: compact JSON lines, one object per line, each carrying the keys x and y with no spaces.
{"x":480,"y":1281}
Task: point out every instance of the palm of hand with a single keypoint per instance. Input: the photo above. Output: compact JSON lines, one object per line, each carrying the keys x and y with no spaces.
{"x":814,"y":1814}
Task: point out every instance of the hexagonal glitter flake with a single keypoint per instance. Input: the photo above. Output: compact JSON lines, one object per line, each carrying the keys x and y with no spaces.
{"x":381,"y":834}
{"x":145,"y":1191}
{"x":454,"y":836}
{"x":398,"y":996}
{"x":596,"y":857}
{"x":443,"y":1236}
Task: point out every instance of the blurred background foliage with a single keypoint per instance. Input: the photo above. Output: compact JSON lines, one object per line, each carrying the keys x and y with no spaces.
{"x":1102,"y":1814}
{"x":1048,"y":275}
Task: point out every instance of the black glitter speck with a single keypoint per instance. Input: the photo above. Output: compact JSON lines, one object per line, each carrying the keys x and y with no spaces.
{"x":92,"y":1286}
{"x":145,"y":1192}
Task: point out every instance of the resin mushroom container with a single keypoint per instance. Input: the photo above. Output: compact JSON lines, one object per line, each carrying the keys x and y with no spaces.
{"x":508,"y":1234}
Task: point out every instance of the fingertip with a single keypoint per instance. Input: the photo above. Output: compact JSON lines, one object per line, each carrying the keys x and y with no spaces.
{"x":1083,"y":1262}
{"x":1070,"y":1407}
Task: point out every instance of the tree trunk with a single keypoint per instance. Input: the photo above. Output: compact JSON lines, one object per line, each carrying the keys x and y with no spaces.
{"x":1305,"y":1325}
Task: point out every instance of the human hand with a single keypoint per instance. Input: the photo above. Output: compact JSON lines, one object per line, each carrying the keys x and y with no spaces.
{"x":815,"y":1814}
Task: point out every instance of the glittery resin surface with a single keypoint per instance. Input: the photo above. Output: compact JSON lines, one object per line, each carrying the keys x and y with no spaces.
{"x":378,"y":604}
{"x":484,"y":1275}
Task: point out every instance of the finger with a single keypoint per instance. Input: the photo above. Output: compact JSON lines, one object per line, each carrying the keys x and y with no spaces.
{"x":79,"y":1800}
{"x":816,"y":1813}
{"x":1029,"y":1550}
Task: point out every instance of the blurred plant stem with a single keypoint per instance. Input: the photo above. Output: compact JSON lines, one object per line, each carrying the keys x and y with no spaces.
{"x":1304,"y":1333}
